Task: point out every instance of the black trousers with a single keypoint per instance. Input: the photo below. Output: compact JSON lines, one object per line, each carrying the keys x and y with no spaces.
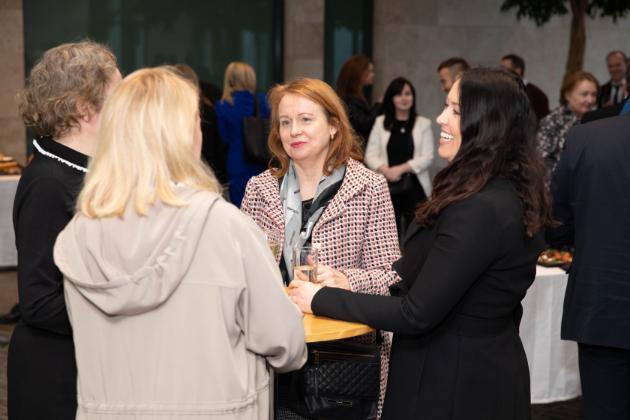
{"x":605,"y":377}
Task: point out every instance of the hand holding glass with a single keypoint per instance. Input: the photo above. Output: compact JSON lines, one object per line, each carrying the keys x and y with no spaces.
{"x":305,"y":263}
{"x":274,"y":242}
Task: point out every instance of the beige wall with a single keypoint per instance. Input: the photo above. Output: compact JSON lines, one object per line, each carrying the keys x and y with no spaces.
{"x":12,"y":134}
{"x":304,"y":39}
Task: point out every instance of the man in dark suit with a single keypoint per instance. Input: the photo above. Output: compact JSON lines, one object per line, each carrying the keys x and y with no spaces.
{"x":538,"y":99}
{"x":591,"y":192}
{"x":609,"y":111}
{"x":616,"y":89}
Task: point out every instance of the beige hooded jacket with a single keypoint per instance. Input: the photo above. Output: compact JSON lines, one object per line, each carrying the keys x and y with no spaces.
{"x":178,"y":314}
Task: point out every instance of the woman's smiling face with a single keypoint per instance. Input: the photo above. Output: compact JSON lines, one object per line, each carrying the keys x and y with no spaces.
{"x":304,"y":130}
{"x":450,"y":124}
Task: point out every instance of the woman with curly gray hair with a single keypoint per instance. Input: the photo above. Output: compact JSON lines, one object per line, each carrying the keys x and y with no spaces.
{"x":61,"y":103}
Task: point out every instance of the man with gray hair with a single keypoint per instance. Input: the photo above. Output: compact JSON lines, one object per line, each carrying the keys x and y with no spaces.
{"x":615,"y":91}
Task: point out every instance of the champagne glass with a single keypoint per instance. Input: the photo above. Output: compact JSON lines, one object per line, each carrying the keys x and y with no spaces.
{"x":305,"y":263}
{"x":275,"y":243}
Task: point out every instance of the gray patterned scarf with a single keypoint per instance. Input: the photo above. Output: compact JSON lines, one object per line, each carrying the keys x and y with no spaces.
{"x":294,"y":233}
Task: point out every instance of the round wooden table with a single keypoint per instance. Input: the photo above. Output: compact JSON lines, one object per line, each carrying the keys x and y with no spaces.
{"x":319,"y":328}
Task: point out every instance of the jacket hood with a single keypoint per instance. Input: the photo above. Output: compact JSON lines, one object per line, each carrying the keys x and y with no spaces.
{"x":132,"y":264}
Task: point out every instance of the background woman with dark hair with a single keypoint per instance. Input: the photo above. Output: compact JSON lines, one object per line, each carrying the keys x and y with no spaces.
{"x":354,"y":76}
{"x":468,"y":262}
{"x":401,"y":148}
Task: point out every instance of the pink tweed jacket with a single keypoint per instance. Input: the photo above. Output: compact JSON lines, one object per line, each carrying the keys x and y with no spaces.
{"x":356,"y":232}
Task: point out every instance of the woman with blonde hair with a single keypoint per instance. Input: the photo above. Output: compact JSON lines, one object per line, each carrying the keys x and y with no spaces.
{"x":320,"y":194}
{"x":239,"y":101}
{"x":61,"y":103}
{"x":156,"y":259}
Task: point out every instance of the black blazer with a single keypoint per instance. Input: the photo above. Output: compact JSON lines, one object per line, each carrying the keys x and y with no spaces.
{"x":538,"y":100}
{"x":606,"y":112}
{"x":604,"y":94}
{"x":591,"y":191}
{"x":456,"y":353}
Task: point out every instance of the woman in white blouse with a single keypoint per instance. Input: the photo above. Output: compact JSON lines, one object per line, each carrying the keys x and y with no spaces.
{"x":400,"y":147}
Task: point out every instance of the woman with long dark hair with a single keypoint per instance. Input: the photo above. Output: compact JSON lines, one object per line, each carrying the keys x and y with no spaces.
{"x":401,"y":148}
{"x":467,"y":263}
{"x":355,"y":75}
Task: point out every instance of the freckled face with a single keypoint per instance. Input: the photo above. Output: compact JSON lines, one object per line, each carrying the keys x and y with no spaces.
{"x":450,"y":124}
{"x":304,"y":130}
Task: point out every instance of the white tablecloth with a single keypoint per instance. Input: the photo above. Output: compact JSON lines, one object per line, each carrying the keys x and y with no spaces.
{"x":553,"y":363}
{"x":8,"y":253}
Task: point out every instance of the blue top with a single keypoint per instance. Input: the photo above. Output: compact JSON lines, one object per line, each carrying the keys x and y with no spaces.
{"x":230,"y":121}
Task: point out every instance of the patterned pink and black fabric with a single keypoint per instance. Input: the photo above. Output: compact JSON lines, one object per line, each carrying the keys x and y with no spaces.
{"x":356,"y":233}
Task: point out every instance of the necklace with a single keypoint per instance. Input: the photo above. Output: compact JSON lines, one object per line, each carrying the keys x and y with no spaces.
{"x":53,"y":156}
{"x":402,"y":129}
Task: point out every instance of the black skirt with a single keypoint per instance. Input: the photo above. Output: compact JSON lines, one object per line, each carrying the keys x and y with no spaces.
{"x":42,"y":375}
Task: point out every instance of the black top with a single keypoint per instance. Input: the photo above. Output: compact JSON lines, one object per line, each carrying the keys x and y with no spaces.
{"x":44,"y":204}
{"x":591,"y":198}
{"x":42,"y":368}
{"x":400,"y":145}
{"x":213,"y":150}
{"x":456,"y":353}
{"x":362,"y":116}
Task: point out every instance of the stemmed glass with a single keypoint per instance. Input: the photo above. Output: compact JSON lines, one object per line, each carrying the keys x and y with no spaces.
{"x":274,"y":240}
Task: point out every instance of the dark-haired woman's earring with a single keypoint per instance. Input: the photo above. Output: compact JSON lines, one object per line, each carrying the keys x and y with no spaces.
{"x":332,"y":136}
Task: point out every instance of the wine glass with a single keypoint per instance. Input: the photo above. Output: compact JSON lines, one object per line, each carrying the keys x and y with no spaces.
{"x":275,"y":243}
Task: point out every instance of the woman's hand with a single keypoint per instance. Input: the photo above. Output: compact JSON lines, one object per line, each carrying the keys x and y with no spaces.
{"x":301,"y":293}
{"x":328,"y":276}
{"x":388,"y":173}
{"x":399,"y":170}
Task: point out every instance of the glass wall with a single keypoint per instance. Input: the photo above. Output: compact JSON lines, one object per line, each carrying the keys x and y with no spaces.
{"x":348,"y":31}
{"x":205,"y":34}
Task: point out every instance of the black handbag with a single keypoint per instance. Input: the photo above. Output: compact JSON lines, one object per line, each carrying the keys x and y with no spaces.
{"x":340,"y":380}
{"x":405,"y":185}
{"x":255,"y":133}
